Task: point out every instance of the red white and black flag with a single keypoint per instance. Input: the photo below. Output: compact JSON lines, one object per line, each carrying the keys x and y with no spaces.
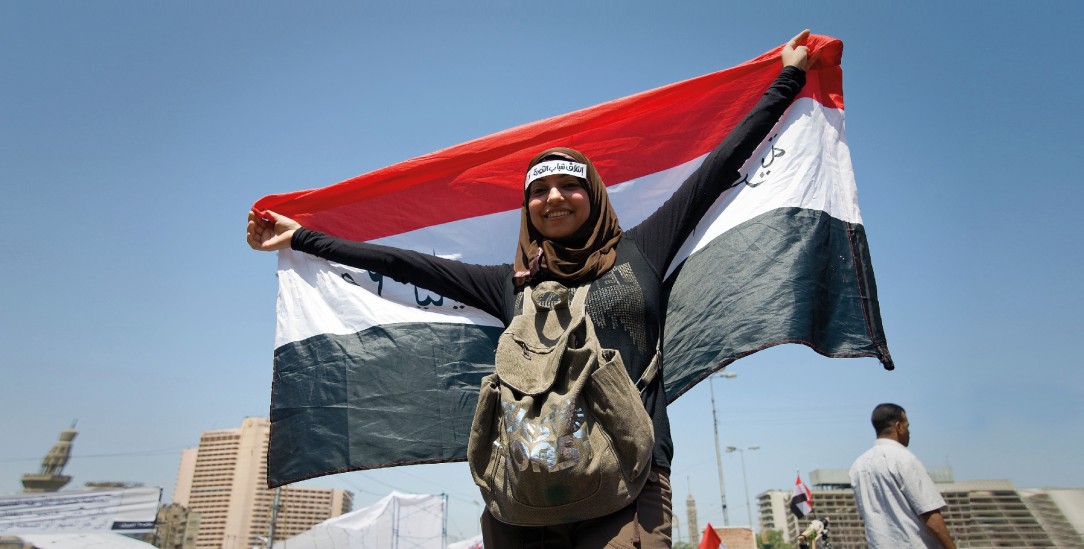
{"x":373,"y":373}
{"x":709,"y":539}
{"x":801,"y":499}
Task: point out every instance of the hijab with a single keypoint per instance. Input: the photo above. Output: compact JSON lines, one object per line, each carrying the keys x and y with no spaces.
{"x":585,"y":255}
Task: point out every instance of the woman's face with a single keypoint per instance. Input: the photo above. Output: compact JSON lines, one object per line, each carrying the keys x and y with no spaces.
{"x":558,"y":205}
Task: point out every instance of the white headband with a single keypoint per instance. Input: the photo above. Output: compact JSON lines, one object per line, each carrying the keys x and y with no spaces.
{"x":554,"y":167}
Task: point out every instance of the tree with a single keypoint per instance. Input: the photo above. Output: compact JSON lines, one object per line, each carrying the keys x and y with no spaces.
{"x":682,"y":545}
{"x":772,"y":539}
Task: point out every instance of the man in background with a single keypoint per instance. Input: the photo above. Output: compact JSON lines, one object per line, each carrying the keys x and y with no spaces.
{"x":896,"y":497}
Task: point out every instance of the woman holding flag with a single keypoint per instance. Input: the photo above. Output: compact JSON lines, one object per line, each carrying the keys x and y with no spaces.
{"x":569,"y":234}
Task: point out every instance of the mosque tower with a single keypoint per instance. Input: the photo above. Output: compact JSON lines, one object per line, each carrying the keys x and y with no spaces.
{"x":50,"y":478}
{"x":694,"y":527}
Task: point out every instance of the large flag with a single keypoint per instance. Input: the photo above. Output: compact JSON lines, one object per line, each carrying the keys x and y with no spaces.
{"x":373,"y":373}
{"x":801,"y":499}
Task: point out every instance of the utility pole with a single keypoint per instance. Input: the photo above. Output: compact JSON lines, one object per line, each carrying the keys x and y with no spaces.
{"x":274,"y":518}
{"x":718,"y":455}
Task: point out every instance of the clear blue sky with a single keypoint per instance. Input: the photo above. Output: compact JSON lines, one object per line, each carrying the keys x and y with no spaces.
{"x":134,"y":136}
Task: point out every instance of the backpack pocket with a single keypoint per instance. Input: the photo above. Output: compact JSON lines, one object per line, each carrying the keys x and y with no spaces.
{"x":550,"y":446}
{"x":482,"y":452}
{"x":614,"y":402}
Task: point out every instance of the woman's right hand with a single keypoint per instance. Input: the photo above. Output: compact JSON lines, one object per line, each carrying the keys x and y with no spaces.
{"x":269,"y":236}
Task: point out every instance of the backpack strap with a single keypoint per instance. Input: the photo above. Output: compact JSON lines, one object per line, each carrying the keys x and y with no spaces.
{"x":652,"y":368}
{"x":528,"y":302}
{"x":579,"y":300}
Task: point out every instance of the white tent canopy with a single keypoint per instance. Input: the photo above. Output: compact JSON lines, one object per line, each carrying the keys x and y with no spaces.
{"x":471,"y":543}
{"x":399,"y":521}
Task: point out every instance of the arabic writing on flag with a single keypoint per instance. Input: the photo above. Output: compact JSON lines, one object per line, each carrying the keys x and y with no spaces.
{"x":372,"y":373}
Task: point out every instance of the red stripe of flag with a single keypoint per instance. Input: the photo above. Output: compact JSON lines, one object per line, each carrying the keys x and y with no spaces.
{"x":626,"y":138}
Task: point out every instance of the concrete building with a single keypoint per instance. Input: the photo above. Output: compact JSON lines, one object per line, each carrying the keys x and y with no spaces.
{"x":224,"y":480}
{"x":736,"y":537}
{"x":773,"y":510}
{"x":1061,"y":513}
{"x":982,"y":513}
{"x":175,"y":527}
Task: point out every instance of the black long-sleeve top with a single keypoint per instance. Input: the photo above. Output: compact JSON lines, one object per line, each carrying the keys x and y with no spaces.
{"x":626,"y":303}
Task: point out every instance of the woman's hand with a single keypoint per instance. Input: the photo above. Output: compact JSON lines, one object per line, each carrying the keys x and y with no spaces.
{"x":795,"y":54}
{"x":269,"y":236}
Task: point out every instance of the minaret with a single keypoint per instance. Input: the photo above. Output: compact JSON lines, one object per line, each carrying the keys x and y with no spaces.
{"x":50,"y":479}
{"x":694,"y":527}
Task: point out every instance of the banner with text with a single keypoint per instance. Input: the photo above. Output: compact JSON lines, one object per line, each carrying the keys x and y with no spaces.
{"x":124,"y":510}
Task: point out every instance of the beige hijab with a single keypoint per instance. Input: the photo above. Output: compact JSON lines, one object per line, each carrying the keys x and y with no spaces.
{"x":584,"y":256}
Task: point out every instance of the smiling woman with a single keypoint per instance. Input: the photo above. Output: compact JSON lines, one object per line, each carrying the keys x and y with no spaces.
{"x":572,"y":258}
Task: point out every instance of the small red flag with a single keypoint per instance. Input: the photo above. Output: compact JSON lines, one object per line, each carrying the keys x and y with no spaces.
{"x":709,"y":539}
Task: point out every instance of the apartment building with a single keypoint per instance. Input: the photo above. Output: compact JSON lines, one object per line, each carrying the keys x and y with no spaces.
{"x":224,"y":480}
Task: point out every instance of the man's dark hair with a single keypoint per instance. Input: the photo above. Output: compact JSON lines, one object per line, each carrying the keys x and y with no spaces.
{"x":885,"y":416}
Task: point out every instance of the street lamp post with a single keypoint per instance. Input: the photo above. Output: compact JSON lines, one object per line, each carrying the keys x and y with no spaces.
{"x":718,"y":454}
{"x":744,"y":480}
{"x":274,"y":518}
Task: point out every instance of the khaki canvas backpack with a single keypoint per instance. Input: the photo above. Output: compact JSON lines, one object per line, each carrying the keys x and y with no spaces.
{"x":560,"y":433}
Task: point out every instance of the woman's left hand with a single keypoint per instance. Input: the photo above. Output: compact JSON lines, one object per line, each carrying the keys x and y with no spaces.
{"x":268,"y":235}
{"x":794,"y":53}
